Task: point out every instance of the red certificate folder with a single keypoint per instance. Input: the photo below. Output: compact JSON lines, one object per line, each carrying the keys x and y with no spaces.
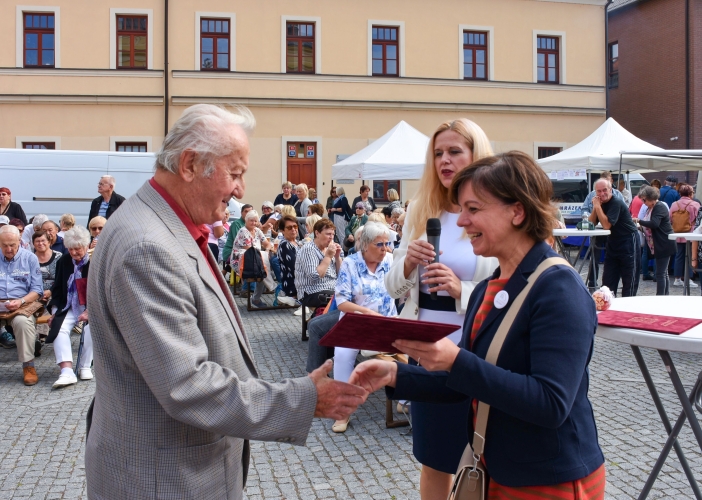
{"x":648,"y":322}
{"x":377,"y":333}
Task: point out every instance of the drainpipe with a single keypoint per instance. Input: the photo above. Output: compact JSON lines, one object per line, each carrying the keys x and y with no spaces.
{"x":607,"y":58}
{"x":165,"y":69}
{"x":687,"y":74}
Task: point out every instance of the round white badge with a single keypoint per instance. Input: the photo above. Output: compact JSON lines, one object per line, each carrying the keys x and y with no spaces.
{"x":501,"y":299}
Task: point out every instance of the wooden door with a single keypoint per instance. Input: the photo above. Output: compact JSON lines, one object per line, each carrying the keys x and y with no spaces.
{"x":302,"y":163}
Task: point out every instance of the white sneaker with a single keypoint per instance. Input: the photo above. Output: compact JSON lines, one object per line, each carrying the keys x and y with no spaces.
{"x":288,"y":301}
{"x":298,"y":311}
{"x":678,"y":282}
{"x":85,"y":374}
{"x":65,"y":379}
{"x":693,"y":284}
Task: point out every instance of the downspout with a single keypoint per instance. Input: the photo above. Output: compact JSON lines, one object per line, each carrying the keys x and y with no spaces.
{"x":165,"y":69}
{"x":687,"y":74}
{"x":607,"y":58}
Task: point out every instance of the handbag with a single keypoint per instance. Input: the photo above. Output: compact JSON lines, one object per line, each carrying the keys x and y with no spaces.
{"x":471,"y":479}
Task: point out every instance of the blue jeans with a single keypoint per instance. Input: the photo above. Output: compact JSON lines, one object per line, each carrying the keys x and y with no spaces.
{"x":275,"y":267}
{"x":679,"y":264}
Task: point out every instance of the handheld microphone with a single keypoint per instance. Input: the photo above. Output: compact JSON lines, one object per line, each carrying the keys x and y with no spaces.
{"x":433,"y":237}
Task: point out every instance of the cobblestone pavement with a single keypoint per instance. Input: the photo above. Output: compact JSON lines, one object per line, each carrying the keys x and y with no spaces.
{"x":42,"y":436}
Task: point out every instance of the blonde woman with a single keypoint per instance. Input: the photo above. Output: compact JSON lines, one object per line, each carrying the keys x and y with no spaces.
{"x":394,"y":199}
{"x":310,"y":221}
{"x":440,"y":433}
{"x":66,"y":222}
{"x":303,"y":202}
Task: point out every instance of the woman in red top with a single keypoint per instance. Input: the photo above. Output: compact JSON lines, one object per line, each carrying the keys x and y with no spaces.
{"x":541,"y":437}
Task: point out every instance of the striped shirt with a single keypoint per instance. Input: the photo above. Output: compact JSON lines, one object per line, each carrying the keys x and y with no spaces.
{"x":591,"y":487}
{"x":307,"y":279}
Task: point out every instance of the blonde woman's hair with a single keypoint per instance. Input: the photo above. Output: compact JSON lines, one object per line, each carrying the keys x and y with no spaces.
{"x":311,"y":221}
{"x":433,"y":197}
{"x":303,"y":186}
{"x":377,"y":217}
{"x":288,"y":210}
{"x":97,"y":220}
{"x":392,"y":195}
{"x":67,"y":220}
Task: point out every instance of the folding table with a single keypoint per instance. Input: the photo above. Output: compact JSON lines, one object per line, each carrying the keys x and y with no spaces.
{"x":690,"y":342}
{"x":586,"y":233}
{"x":689,"y":238}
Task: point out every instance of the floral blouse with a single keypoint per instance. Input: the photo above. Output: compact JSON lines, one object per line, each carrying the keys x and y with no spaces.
{"x":244,"y":239}
{"x":366,"y":289}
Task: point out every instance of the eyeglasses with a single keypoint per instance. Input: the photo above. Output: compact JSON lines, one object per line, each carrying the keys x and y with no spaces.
{"x":96,"y":228}
{"x":290,"y":227}
{"x":383,"y":244}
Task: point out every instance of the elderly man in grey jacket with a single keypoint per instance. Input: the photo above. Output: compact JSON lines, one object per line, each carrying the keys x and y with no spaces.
{"x":177,"y":397}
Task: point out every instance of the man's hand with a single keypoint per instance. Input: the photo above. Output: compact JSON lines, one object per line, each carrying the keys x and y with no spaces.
{"x":46,"y":295}
{"x":433,"y":356}
{"x":336,"y":400}
{"x":374,"y":374}
{"x":12,"y":305}
{"x":596,"y":202}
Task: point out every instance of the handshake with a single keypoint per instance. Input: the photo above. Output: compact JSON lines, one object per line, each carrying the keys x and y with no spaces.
{"x":337,"y":400}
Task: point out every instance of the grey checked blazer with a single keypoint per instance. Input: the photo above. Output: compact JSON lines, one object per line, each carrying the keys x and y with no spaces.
{"x":177,"y":397}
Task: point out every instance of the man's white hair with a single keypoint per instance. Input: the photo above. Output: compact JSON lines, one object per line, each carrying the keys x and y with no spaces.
{"x":109,"y":179}
{"x":10,"y":229}
{"x":39,"y":221}
{"x":606,"y":181}
{"x":204,"y":129}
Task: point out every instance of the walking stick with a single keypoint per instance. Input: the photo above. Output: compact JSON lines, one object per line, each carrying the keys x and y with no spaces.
{"x":80,"y":348}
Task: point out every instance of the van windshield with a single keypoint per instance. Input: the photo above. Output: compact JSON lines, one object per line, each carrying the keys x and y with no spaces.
{"x":570,"y":191}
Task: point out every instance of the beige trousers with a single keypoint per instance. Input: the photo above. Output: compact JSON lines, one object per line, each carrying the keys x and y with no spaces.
{"x":25,"y":331}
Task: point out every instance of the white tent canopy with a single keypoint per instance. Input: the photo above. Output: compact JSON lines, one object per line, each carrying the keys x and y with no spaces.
{"x":600,"y":151}
{"x":399,"y":154}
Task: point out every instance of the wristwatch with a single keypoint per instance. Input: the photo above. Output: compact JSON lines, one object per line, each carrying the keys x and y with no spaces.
{"x":21,"y":302}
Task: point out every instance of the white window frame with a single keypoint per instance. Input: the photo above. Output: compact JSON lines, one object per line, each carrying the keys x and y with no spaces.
{"x":149,"y":13}
{"x":284,"y":20}
{"x":231,"y":16}
{"x":284,"y":155}
{"x":37,"y":138}
{"x":561,"y":53}
{"x":400,"y":42}
{"x":19,"y":32}
{"x":538,"y":145}
{"x":490,"y":48}
{"x":114,"y":139}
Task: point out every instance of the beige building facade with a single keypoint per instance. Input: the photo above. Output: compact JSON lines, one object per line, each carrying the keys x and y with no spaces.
{"x":323,"y":78}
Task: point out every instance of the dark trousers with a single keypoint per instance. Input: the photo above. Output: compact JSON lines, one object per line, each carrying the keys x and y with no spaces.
{"x":637,"y":270}
{"x":622,"y":264}
{"x":597,"y":243}
{"x":316,"y":329}
{"x":662,"y":279}
{"x":679,"y":264}
{"x":215,"y":249}
{"x":645,"y":257}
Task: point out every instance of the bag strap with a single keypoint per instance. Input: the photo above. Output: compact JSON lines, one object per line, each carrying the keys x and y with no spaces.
{"x":496,"y":345}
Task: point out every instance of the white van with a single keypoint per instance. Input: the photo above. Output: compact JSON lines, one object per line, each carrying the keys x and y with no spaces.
{"x":59,"y":182}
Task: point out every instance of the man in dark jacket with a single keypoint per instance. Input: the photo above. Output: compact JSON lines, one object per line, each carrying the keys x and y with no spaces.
{"x":108,"y":201}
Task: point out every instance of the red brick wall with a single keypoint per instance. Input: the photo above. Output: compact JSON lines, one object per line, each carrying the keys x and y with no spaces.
{"x":650,"y":101}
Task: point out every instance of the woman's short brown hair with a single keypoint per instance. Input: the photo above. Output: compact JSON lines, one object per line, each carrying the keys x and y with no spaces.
{"x":685,"y":190}
{"x":364,"y":188}
{"x":513,"y":177}
{"x":39,"y":234}
{"x":316,"y":208}
{"x":323,"y":224}
{"x":283,"y":222}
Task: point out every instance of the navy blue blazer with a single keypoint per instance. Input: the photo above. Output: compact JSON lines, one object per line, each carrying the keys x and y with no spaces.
{"x":541,"y":429}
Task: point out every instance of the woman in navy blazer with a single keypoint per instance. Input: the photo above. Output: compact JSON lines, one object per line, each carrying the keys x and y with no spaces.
{"x":541,"y":429}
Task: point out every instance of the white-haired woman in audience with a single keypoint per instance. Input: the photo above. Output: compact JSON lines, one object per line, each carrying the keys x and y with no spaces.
{"x":35,"y":225}
{"x":251,"y":236}
{"x":360,"y":288}
{"x":380,"y":218}
{"x":68,"y":307}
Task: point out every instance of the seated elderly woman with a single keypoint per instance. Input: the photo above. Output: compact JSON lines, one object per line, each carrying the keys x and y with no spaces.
{"x":540,"y":439}
{"x":358,"y":220}
{"x":68,"y":307}
{"x":360,"y":288}
{"x":317,"y":265}
{"x":287,"y":255}
{"x":310,"y":221}
{"x":248,"y":236}
{"x":96,"y":225}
